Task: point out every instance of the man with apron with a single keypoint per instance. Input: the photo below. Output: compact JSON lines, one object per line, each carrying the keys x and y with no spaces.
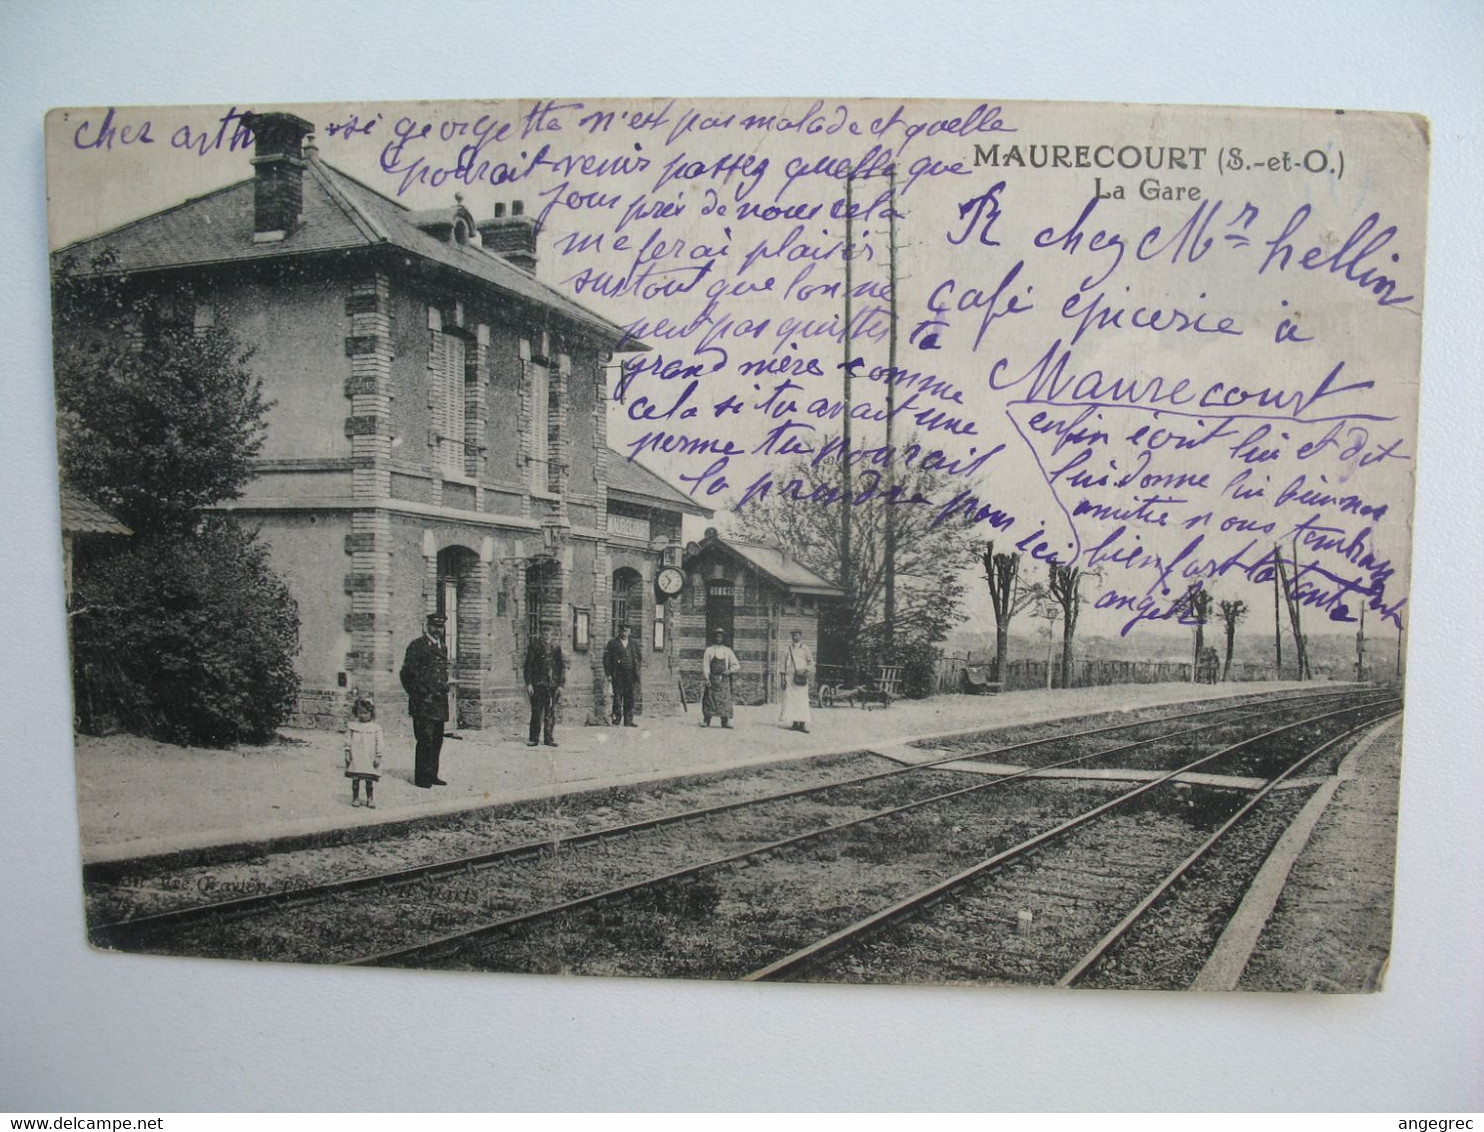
{"x":718,"y":664}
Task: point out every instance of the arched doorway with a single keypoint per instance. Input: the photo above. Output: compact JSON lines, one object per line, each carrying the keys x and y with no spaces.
{"x":721,"y":610}
{"x":543,"y":595}
{"x":628,"y":606}
{"x":460,"y":599}
{"x":628,"y":609}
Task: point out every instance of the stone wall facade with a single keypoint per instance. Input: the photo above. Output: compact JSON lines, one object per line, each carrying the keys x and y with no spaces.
{"x":421,"y":521}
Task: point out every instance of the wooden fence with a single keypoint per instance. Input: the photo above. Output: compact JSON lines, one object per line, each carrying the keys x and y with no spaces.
{"x":952,"y":672}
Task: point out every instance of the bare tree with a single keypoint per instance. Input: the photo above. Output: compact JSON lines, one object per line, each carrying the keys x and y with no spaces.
{"x":1195,"y":609}
{"x":1002,"y":572}
{"x":1064,"y":582}
{"x":1231,"y":613}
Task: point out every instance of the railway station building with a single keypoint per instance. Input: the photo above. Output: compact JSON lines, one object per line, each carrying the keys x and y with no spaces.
{"x":757,"y":596}
{"x":437,"y":440}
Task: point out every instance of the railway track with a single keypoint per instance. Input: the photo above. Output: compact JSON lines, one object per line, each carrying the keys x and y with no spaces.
{"x":178,"y":889}
{"x":1119,"y":885}
{"x":434,"y":903}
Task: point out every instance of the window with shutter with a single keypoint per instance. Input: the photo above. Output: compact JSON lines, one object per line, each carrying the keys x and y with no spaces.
{"x":540,"y":425}
{"x":447,"y":392}
{"x":449,"y":419}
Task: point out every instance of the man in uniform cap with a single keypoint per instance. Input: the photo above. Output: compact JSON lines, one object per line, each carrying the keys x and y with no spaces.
{"x":425,"y":678}
{"x":621,"y":662}
{"x":546,"y":673}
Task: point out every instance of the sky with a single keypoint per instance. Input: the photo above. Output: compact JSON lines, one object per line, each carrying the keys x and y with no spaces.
{"x":981,"y":271}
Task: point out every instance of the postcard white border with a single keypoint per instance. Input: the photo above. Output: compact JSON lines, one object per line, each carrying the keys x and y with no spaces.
{"x":123,"y":1032}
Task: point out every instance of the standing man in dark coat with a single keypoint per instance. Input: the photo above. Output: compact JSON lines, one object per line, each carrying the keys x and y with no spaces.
{"x":546,"y":673}
{"x":621,"y":662}
{"x":425,"y":678}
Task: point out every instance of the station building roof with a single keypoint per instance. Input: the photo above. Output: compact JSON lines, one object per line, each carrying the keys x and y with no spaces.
{"x":631,"y":481}
{"x":339,"y":214}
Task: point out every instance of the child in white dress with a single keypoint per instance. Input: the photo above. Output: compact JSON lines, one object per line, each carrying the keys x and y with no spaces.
{"x":363,"y":746}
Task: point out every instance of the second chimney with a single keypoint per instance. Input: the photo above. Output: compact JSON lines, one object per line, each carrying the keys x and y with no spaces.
{"x":278,"y":167}
{"x":512,"y":238}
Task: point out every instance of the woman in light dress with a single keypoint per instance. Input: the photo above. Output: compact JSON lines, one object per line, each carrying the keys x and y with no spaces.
{"x":795,"y":671}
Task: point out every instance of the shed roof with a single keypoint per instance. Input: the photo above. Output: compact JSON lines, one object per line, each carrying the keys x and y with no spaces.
{"x":81,"y":516}
{"x":339,"y":214}
{"x":784,"y":570}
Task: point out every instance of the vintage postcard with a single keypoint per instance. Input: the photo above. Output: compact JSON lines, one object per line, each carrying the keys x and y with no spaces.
{"x":858,"y":541}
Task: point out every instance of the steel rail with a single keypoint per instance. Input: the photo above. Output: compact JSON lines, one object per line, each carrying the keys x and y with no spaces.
{"x":306,"y":894}
{"x":1121,"y":928}
{"x":429,"y":947}
{"x":904,"y":907}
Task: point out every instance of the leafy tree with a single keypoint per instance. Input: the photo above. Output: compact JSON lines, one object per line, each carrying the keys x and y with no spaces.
{"x":802,"y":515}
{"x":182,"y":631}
{"x":159,"y":417}
{"x":918,"y":659}
{"x":186,"y":635}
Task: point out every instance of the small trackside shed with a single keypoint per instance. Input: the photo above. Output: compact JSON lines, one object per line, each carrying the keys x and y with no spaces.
{"x":757,"y":595}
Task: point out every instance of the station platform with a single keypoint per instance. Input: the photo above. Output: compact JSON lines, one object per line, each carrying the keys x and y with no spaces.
{"x":141,"y":798}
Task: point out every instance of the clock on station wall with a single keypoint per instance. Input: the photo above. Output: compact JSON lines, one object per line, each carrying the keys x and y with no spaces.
{"x":669,"y":581}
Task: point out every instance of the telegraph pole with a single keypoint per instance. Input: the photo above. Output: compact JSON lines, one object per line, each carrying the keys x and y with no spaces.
{"x":1277,"y":620}
{"x":891,"y":401}
{"x":1291,"y":599}
{"x":845,"y":486}
{"x":1298,"y":629}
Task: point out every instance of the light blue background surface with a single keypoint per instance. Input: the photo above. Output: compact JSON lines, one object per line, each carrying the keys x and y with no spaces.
{"x":84,"y":1032}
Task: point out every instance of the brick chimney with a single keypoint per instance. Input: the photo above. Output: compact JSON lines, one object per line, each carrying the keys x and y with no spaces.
{"x":278,"y":166}
{"x":513,"y":237}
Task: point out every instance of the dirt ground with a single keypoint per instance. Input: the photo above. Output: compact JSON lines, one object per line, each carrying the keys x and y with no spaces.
{"x":1331,"y":927}
{"x":137,"y":796}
